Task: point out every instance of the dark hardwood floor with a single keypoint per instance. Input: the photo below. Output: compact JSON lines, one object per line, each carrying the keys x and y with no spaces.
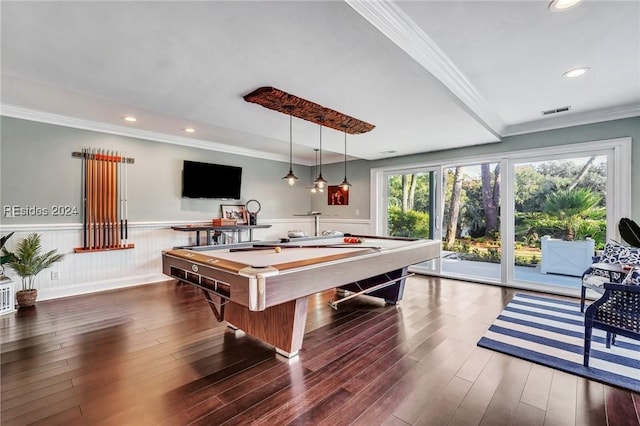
{"x":154,"y":354}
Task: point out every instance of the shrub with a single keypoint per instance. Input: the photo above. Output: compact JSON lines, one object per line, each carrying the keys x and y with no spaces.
{"x":408,"y":224}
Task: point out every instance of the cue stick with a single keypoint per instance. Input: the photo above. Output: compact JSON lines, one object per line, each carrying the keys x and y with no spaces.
{"x":109,"y":197}
{"x":98,"y":171}
{"x":96,"y":232}
{"x":121,"y":201}
{"x":105,"y":199}
{"x":334,"y":303}
{"x":259,"y":248}
{"x":101,"y":223}
{"x":91,"y":200}
{"x":117,"y":198}
{"x":126,"y":207}
{"x":112,"y":200}
{"x":314,"y":245}
{"x":85,"y":235}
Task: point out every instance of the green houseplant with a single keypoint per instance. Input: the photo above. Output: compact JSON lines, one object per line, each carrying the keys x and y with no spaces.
{"x":4,"y":258}
{"x":28,"y":261}
{"x":629,"y":231}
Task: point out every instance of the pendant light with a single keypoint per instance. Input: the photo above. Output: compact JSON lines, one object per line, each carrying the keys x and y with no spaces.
{"x":314,"y":187}
{"x":320,"y":182}
{"x":290,"y":177}
{"x":345,"y":183}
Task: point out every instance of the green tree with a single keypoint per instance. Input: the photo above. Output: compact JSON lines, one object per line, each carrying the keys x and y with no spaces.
{"x":571,"y":207}
{"x":408,"y":224}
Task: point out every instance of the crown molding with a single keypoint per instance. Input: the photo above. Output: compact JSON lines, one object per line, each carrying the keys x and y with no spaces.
{"x":397,"y":26}
{"x":77,"y":123}
{"x":575,"y":119}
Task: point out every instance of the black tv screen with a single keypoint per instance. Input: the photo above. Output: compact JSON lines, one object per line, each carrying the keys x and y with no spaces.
{"x":205,"y":180}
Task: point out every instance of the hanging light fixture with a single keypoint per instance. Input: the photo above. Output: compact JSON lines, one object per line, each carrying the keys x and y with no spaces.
{"x":345,"y":183}
{"x":290,"y":177}
{"x":314,"y":187}
{"x":320,"y":182}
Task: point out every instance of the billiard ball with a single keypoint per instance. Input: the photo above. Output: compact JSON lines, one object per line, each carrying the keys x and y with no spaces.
{"x":278,"y":249}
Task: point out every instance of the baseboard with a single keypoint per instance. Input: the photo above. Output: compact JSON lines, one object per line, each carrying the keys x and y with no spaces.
{"x":98,"y":286}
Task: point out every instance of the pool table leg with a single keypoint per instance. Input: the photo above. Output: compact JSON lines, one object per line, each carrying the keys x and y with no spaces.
{"x":281,"y":326}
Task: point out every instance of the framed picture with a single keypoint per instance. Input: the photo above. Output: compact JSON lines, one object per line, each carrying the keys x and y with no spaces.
{"x":235,"y":212}
{"x":337,"y":196}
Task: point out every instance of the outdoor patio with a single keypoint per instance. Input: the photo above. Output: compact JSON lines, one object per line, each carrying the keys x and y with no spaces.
{"x":453,"y":267}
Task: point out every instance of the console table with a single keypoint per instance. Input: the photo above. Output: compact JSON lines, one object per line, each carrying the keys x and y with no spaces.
{"x":236,"y":229}
{"x":316,"y":221}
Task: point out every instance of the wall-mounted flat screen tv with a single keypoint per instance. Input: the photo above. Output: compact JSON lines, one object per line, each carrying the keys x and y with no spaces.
{"x":206,"y":180}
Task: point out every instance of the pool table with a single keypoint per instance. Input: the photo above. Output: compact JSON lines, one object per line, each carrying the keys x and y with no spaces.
{"x":263,"y":289}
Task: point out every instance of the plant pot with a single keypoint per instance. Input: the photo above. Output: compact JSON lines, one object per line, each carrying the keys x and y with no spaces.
{"x":26,"y":298}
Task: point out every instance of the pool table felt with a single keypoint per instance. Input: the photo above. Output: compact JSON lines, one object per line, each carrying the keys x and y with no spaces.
{"x":288,"y":258}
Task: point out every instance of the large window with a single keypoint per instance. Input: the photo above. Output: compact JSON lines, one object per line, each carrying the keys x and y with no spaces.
{"x":508,"y":218}
{"x":471,"y":243}
{"x":560,"y":217}
{"x":409,"y":206}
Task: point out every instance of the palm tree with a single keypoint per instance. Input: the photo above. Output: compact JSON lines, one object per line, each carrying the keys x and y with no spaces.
{"x":27,"y":260}
{"x":571,"y":207}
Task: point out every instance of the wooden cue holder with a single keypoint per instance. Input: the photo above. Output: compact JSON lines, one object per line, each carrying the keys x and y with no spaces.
{"x":104,"y":195}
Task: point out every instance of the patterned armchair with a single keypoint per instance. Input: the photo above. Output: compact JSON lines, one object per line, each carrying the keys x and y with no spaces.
{"x":617,"y":312}
{"x":594,"y":278}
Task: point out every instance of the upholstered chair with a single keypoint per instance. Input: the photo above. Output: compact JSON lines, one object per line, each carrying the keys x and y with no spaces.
{"x":617,"y":312}
{"x":594,"y":278}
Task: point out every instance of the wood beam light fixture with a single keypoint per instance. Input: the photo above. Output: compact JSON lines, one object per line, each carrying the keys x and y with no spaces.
{"x":277,"y":100}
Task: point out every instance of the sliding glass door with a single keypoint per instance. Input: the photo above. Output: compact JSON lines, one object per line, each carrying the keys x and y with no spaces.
{"x":471,"y":243}
{"x":560,"y":217}
{"x":410,"y":208}
{"x":512,"y":218}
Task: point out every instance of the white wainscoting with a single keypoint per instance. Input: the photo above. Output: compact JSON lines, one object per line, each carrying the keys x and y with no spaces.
{"x":80,"y":273}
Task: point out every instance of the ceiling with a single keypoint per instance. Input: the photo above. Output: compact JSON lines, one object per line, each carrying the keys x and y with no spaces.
{"x":430,"y":75}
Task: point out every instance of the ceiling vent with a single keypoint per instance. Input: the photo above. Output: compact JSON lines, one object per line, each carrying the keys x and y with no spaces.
{"x":555,"y":111}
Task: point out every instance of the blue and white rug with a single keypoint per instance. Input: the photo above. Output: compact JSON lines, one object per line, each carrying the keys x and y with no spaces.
{"x":551,"y":332}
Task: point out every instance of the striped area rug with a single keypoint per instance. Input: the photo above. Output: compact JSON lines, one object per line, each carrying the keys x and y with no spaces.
{"x":551,"y":332}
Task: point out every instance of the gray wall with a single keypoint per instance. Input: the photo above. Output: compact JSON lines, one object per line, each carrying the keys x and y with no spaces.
{"x":360,"y":170}
{"x":37,"y":169}
{"x":358,"y":176}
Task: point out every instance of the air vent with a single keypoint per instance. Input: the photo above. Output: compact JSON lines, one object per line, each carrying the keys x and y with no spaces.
{"x":557,"y":110}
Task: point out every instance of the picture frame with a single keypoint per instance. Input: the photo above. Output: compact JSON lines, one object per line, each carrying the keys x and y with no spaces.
{"x":235,"y":212}
{"x":336,"y":196}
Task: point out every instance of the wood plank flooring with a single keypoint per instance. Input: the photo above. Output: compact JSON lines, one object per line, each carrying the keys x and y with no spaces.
{"x":154,"y":355}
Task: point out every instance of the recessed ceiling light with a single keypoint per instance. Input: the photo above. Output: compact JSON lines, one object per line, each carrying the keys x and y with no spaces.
{"x":559,"y":5}
{"x":189,"y":129}
{"x":576,"y":72}
{"x":130,"y":118}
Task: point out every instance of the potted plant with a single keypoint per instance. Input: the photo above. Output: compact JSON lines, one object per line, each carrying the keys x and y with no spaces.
{"x":4,"y":258}
{"x":571,"y":210}
{"x":28,"y":261}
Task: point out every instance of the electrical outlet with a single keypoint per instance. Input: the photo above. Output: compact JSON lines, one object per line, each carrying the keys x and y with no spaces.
{"x":357,"y":212}
{"x":55,"y":275}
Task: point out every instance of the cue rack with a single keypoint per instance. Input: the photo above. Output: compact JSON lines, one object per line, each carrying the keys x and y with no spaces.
{"x":104,"y":200}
